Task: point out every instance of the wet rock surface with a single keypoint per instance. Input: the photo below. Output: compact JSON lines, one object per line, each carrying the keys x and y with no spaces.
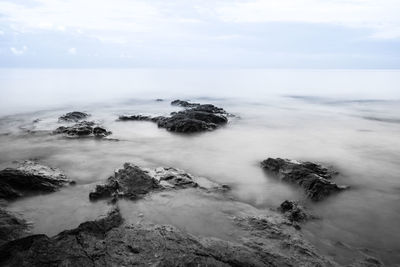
{"x":293,"y":211}
{"x":11,"y":226}
{"x":30,"y":177}
{"x":111,"y":242}
{"x":134,"y":182}
{"x":195,"y":118}
{"x":83,"y":129}
{"x":313,"y":178}
{"x":74,"y":116}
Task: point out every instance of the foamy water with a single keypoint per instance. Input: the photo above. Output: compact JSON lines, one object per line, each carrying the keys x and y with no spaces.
{"x":349,"y":119}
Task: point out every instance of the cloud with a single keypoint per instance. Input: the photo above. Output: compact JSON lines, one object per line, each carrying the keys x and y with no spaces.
{"x":72,"y":51}
{"x":17,"y":51}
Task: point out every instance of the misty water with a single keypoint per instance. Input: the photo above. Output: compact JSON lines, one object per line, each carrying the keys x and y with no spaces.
{"x":346,"y":118}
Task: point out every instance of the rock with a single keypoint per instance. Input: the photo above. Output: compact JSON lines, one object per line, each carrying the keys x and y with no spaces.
{"x":195,"y":118}
{"x":313,"y":178}
{"x":293,"y":211}
{"x":367,"y":262}
{"x":111,"y":242}
{"x":11,"y":227}
{"x":134,"y":182}
{"x":30,"y":177}
{"x":74,"y":116}
{"x":83,"y":129}
{"x":159,"y":100}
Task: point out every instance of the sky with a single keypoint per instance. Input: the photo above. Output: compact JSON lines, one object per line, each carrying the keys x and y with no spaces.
{"x":200,"y":34}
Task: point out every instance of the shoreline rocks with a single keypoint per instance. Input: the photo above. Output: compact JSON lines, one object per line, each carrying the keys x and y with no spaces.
{"x":313,"y":178}
{"x":11,"y":227}
{"x":30,"y":177}
{"x":195,"y":118}
{"x":83,"y":129}
{"x":73,"y":116}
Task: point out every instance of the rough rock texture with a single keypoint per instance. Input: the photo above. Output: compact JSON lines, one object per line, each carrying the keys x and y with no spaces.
{"x":367,"y":262}
{"x":83,"y":128}
{"x":30,"y":177}
{"x":11,"y":227}
{"x":110,"y":242}
{"x":313,"y":178}
{"x":74,"y":116}
{"x":134,"y":182}
{"x":293,"y":211}
{"x":195,"y":118}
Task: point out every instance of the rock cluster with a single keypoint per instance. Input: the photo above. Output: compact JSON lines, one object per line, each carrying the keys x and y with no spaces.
{"x":111,"y":242}
{"x":195,"y":118}
{"x":313,"y":178}
{"x":30,"y":177}
{"x":83,"y":128}
{"x":11,"y":227}
{"x":293,"y":211}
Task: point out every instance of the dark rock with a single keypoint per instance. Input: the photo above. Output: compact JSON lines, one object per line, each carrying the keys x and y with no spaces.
{"x":185,"y":104}
{"x":30,"y":177}
{"x":110,"y":242}
{"x":159,"y":100}
{"x":293,"y":211}
{"x":83,"y":129}
{"x":11,"y":227}
{"x":313,"y":178}
{"x":134,"y":182}
{"x":134,"y":118}
{"x":74,"y":116}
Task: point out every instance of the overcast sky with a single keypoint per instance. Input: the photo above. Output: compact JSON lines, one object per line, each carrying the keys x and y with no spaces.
{"x":192,"y":34}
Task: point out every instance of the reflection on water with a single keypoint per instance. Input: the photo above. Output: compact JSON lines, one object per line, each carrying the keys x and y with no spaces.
{"x":363,"y":219}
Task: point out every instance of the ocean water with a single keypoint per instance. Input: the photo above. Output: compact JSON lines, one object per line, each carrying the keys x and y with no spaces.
{"x":346,"y":118}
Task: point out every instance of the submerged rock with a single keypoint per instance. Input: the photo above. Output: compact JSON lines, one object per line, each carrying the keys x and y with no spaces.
{"x":134,"y":182}
{"x":312,"y":177}
{"x":83,"y":129}
{"x":293,"y":211}
{"x":74,"y":116}
{"x":195,"y":118}
{"x":111,"y":242}
{"x":11,"y":227}
{"x":30,"y":177}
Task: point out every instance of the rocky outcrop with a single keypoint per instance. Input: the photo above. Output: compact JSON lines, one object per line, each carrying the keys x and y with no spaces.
{"x":11,"y":227}
{"x":134,"y":182}
{"x":195,"y":118}
{"x":313,"y":178}
{"x":30,"y":177}
{"x":83,"y":129}
{"x":293,"y":211}
{"x":111,"y":242}
{"x":74,"y":116}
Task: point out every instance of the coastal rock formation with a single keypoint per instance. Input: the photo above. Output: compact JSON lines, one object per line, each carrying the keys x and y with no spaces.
{"x":74,"y":116}
{"x":111,"y":242}
{"x":293,"y":211}
{"x":195,"y":118}
{"x":11,"y":227}
{"x":134,"y":182}
{"x":30,"y":177}
{"x":312,"y":177}
{"x":83,"y":128}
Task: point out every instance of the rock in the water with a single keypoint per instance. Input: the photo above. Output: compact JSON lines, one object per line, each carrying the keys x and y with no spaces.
{"x":30,"y":177}
{"x":11,"y":227}
{"x":111,"y":242}
{"x":134,"y":182}
{"x":74,"y":116}
{"x":313,"y":178}
{"x":83,"y":129}
{"x":195,"y":118}
{"x":293,"y":211}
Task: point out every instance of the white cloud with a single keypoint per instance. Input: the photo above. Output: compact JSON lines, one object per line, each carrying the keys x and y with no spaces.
{"x":382,"y":16}
{"x":17,"y":51}
{"x":72,"y":51}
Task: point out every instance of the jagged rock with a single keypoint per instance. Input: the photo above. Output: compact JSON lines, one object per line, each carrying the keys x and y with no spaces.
{"x":30,"y":177}
{"x":313,"y":178}
{"x":293,"y":211}
{"x":83,"y":128}
{"x":134,"y":182}
{"x":111,"y":242}
{"x":74,"y":116}
{"x":11,"y":227}
{"x":195,"y":118}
